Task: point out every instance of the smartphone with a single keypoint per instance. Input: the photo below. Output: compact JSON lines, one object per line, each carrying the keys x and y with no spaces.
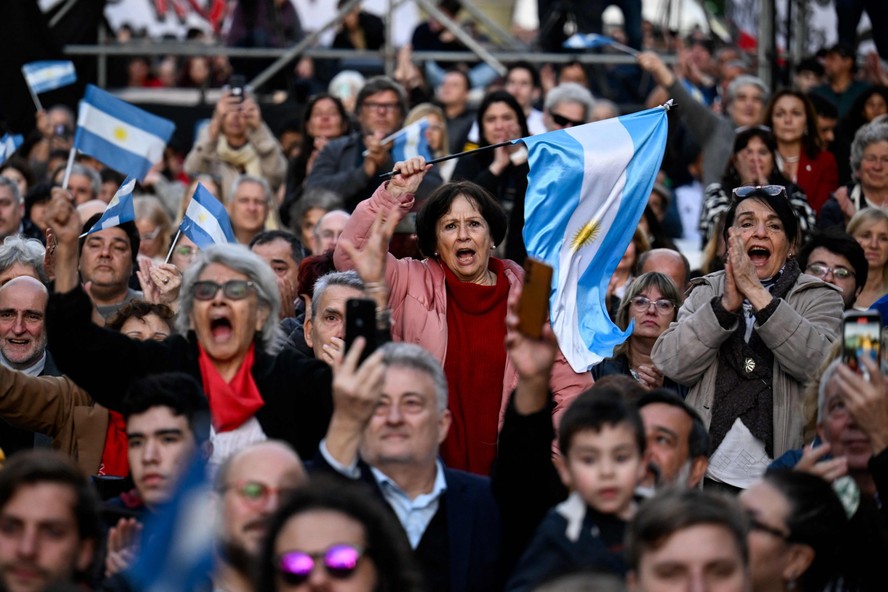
{"x":360,"y":321}
{"x":533,"y":308}
{"x":861,"y":337}
{"x":237,"y":83}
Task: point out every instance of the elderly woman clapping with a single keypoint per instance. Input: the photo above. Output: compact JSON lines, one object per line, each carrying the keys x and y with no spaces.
{"x":453,"y":302}
{"x":228,"y":337}
{"x":749,"y":337}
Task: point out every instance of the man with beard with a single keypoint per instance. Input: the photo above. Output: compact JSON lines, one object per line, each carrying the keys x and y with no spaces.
{"x":50,"y":522}
{"x":250,"y":486}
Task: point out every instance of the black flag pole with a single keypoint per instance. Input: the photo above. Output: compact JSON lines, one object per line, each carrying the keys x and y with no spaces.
{"x":391,"y":174}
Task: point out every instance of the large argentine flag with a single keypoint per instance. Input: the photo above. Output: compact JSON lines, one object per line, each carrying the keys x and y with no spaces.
{"x":206,"y":222}
{"x":120,"y":135}
{"x":119,"y":210}
{"x":46,"y":76}
{"x":411,"y":141}
{"x":587,"y":189}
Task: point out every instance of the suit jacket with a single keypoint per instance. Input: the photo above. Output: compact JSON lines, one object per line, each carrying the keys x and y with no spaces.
{"x":473,"y":526}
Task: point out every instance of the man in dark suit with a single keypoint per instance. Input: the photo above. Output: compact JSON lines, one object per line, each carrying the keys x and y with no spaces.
{"x":390,"y":417}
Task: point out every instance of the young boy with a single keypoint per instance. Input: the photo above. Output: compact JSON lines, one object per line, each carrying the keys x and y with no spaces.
{"x":602,"y":443}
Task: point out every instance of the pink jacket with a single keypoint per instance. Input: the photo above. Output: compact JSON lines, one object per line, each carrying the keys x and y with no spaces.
{"x":418,"y":301}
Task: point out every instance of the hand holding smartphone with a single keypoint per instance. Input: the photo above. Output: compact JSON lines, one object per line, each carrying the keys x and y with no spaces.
{"x":533,"y":308}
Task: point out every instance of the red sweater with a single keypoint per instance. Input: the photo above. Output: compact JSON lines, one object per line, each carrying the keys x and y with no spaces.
{"x":474,"y":365}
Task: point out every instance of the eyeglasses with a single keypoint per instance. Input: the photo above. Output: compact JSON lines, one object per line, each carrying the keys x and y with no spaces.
{"x":340,"y":562}
{"x":820,"y":270}
{"x":187,"y":251}
{"x":234,"y":289}
{"x":371,"y":105}
{"x":772,"y":190}
{"x":256,"y":493}
{"x":565,"y":121}
{"x":148,"y":236}
{"x":643,"y":304}
{"x":873,"y":159}
{"x":756,"y":524}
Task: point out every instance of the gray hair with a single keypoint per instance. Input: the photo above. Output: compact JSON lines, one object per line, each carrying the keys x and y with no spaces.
{"x":570,"y":92}
{"x":866,"y":135}
{"x":13,"y":187}
{"x":349,"y":279}
{"x":748,"y":80}
{"x":414,"y":357}
{"x":242,"y":179}
{"x":26,"y":251}
{"x":240,"y":259}
{"x":821,"y":388}
{"x":94,"y":178}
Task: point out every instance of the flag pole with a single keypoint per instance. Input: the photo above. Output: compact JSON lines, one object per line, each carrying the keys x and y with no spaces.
{"x":391,"y":174}
{"x":173,"y":246}
{"x":71,"y":155}
{"x":35,"y":98}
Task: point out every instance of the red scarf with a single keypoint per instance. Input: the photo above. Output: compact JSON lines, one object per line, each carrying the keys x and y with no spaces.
{"x":231,"y":403}
{"x":114,"y":454}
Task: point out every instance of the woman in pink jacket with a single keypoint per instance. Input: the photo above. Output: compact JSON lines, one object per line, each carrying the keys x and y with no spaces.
{"x":453,"y":302}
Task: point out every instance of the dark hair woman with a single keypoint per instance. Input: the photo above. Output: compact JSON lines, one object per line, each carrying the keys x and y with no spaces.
{"x":453,"y":302}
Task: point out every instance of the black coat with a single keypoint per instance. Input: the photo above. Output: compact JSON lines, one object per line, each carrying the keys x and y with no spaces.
{"x":296,"y":389}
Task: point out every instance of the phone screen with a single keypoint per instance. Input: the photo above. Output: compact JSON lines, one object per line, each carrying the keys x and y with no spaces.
{"x":360,"y":321}
{"x":861,"y":337}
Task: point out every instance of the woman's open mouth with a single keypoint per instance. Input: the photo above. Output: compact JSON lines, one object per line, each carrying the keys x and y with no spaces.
{"x":465,"y":256}
{"x":220,"y":328}
{"x":759,"y":256}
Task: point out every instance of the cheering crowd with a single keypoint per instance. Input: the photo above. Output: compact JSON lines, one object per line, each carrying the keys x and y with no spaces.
{"x":730,"y":442}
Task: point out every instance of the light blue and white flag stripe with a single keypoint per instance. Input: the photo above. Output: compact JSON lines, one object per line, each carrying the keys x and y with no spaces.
{"x":120,"y":209}
{"x":587,"y":189}
{"x":587,"y":41}
{"x":120,"y":135}
{"x":46,"y":76}
{"x":411,"y":141}
{"x":9,"y":143}
{"x":206,"y":222}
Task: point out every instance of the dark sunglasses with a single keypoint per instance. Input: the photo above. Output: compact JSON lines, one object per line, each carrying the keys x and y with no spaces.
{"x":772,"y":190}
{"x":340,"y":561}
{"x":564,"y":121}
{"x":234,"y":289}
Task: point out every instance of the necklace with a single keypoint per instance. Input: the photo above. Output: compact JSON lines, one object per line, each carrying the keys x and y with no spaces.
{"x":790,"y":159}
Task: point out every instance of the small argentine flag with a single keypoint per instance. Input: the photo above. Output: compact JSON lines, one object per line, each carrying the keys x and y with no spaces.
{"x":411,"y":141}
{"x":9,"y":143}
{"x":206,"y":222}
{"x":587,"y":41}
{"x":119,"y":209}
{"x":120,"y":135}
{"x":586,"y":191}
{"x":46,"y":76}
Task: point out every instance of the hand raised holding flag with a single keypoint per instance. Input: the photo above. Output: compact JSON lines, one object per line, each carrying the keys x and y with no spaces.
{"x":410,"y":174}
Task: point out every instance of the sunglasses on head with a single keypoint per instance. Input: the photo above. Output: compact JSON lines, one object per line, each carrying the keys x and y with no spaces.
{"x":772,"y":190}
{"x":340,"y":562}
{"x":234,"y":289}
{"x":564,"y":121}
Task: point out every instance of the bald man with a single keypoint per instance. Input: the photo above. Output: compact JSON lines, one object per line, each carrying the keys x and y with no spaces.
{"x":250,"y":486}
{"x":668,"y":262}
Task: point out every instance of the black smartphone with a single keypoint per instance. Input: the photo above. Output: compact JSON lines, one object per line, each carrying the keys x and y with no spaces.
{"x":237,"y":82}
{"x":360,"y":321}
{"x":861,"y":337}
{"x":533,"y":308}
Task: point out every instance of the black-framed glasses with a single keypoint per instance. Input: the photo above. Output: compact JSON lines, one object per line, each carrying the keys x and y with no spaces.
{"x":756,"y":524}
{"x":820,"y":270}
{"x":340,"y":562}
{"x":771,"y":190}
{"x":234,"y":289}
{"x":374,"y":106}
{"x":564,"y":121}
{"x":643,"y":304}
